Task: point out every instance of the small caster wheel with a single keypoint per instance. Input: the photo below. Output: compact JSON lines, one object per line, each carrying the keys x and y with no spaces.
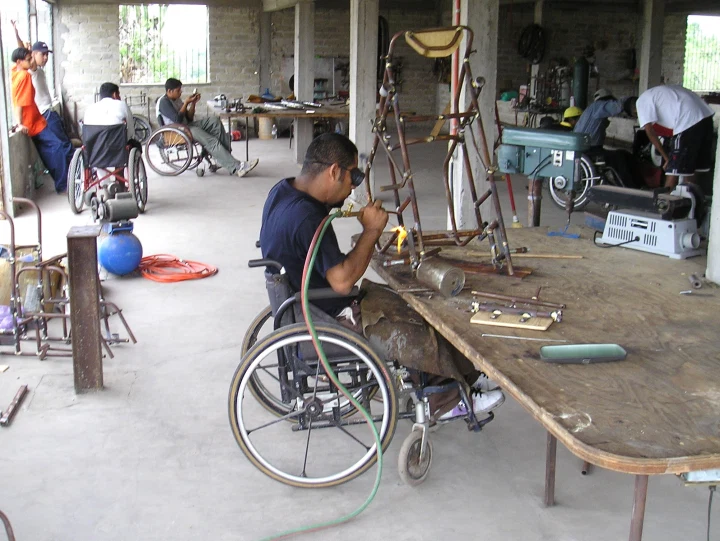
{"x":413,"y":468}
{"x":200,"y":172}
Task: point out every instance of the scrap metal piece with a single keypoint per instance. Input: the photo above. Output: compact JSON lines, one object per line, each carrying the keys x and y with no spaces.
{"x":514,"y":299}
{"x":695,"y":281}
{"x":7,"y":417}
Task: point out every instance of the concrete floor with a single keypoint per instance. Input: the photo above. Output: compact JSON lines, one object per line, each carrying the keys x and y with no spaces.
{"x":152,"y":456}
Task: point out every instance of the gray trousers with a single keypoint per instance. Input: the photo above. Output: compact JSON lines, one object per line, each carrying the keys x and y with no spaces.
{"x":211,"y":134}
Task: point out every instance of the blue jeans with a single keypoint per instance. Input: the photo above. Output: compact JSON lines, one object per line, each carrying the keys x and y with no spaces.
{"x":55,"y":150}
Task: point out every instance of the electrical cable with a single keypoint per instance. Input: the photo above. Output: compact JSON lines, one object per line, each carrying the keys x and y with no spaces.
{"x":595,"y":236}
{"x":309,"y":264}
{"x":168,"y":268}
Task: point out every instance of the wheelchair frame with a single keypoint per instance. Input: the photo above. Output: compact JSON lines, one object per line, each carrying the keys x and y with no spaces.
{"x":415,"y":456}
{"x":83,"y":179}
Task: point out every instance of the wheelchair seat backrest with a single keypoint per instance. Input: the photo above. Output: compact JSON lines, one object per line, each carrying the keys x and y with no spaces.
{"x":105,"y":146}
{"x":279,"y":290}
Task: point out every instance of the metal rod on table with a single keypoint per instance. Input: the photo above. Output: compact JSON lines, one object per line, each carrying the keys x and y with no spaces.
{"x":638,"y":511}
{"x":511,"y":298}
{"x":550,"y":454}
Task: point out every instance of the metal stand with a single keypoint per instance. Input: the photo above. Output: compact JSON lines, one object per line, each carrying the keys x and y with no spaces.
{"x":438,"y":43}
{"x":85,"y":307}
{"x":638,"y":512}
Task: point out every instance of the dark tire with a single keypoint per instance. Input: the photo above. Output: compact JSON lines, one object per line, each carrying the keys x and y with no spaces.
{"x":412,"y":468}
{"x":142,"y":128}
{"x":138,"y":179}
{"x":285,"y":452}
{"x":76,"y":181}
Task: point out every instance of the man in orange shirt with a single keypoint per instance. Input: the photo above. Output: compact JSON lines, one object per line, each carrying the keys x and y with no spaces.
{"x":55,"y":153}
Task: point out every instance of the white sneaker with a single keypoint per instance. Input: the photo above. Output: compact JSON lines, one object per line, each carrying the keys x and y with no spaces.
{"x":482,"y":403}
{"x":484,"y":384}
{"x":246,"y":167}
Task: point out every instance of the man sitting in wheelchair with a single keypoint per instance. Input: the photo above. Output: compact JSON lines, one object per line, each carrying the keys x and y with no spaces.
{"x":209,"y":132}
{"x":293,"y":211}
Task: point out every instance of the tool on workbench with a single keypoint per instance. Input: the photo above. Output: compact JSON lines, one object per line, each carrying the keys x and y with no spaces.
{"x":486,"y":335}
{"x":656,"y":222}
{"x":582,"y":353}
{"x":7,"y":417}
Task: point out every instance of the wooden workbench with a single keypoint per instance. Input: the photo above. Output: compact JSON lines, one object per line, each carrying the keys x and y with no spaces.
{"x":327,"y":111}
{"x":657,"y":412}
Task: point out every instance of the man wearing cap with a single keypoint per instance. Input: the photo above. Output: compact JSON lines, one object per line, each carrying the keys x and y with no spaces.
{"x":43,"y":99}
{"x":55,"y":153}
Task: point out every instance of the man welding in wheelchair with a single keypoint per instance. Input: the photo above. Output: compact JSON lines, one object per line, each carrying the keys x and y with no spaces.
{"x":294,"y":209}
{"x":209,"y":132}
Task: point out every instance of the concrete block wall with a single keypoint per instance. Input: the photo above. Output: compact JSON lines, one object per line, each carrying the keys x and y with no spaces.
{"x":513,"y":70}
{"x":418,"y":90}
{"x":673,"y":60}
{"x":613,"y":30}
{"x":88,"y":54}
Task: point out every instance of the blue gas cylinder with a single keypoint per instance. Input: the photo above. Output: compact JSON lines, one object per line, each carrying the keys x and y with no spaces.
{"x":120,"y":251}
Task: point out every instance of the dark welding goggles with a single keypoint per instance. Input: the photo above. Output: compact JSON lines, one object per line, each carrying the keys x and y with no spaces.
{"x":356,"y":175}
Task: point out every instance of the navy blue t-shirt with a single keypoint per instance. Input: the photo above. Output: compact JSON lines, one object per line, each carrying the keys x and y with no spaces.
{"x":289,"y":221}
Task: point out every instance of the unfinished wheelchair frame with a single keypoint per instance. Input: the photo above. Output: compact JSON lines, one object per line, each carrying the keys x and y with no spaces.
{"x":25,"y":317}
{"x":437,"y":43}
{"x":280,"y":371}
{"x":105,"y":148}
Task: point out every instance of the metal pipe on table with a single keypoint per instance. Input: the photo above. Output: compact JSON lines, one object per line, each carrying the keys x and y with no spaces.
{"x":524,"y":300}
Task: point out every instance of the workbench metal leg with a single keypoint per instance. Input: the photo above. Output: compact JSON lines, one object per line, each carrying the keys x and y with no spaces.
{"x":638,"y":512}
{"x":84,"y":284}
{"x":534,"y":202}
{"x":247,"y":138}
{"x":550,"y":454}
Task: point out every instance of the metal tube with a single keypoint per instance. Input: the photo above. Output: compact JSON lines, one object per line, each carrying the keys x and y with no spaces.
{"x":523,"y":300}
{"x":550,"y":454}
{"x":638,"y":510}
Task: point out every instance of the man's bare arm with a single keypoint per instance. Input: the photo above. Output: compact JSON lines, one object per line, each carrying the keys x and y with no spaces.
{"x":342,"y":277}
{"x":18,"y":118}
{"x":653,"y":136}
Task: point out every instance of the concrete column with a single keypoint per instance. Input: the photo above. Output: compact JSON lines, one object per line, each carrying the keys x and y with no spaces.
{"x":304,"y":71}
{"x":265,"y":49}
{"x":482,"y":17}
{"x":535,"y":68}
{"x":363,"y":71}
{"x":651,"y":46}
{"x":713,"y":268}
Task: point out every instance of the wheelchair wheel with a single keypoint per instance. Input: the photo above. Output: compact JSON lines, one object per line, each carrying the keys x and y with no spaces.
{"x":264,"y":387}
{"x":142,"y":128}
{"x":76,"y":181}
{"x":413,"y":468}
{"x":138,"y":179}
{"x":320,"y":448}
{"x":169,"y":151}
{"x":588,"y":178}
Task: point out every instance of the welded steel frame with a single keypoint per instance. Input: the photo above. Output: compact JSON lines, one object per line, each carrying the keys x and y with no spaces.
{"x":465,"y":119}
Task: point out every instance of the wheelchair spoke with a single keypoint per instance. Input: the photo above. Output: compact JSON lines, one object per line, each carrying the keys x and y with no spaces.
{"x":307,"y":447}
{"x":344,"y":431}
{"x":275,"y":421}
